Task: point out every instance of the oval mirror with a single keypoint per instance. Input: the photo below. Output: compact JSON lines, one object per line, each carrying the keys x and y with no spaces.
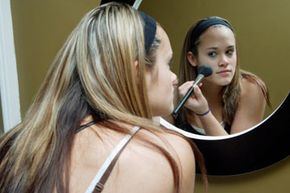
{"x":247,"y":151}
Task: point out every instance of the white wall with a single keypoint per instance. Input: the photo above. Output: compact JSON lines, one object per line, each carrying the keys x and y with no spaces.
{"x":8,"y":69}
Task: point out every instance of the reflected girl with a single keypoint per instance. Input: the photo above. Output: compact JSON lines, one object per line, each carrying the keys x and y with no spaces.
{"x":230,"y":100}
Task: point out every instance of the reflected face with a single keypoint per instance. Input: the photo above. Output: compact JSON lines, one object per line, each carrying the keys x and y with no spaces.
{"x":217,"y":48}
{"x":160,"y":80}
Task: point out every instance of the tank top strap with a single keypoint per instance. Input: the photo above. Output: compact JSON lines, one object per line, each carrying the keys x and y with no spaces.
{"x":101,"y":177}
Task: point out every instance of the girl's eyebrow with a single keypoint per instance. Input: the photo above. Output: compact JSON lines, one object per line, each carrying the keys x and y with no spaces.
{"x":215,"y":48}
{"x":212,"y":48}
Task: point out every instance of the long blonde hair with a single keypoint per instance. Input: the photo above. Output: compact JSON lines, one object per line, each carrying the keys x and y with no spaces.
{"x":231,"y":92}
{"x":93,"y":74}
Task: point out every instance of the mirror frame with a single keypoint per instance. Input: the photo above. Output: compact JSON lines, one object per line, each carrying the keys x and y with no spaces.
{"x":253,"y":149}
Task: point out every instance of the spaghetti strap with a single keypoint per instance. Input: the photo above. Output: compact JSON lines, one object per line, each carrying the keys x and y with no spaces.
{"x":82,"y":127}
{"x":97,"y":184}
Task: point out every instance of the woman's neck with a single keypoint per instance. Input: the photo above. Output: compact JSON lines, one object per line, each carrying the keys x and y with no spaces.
{"x":212,"y":93}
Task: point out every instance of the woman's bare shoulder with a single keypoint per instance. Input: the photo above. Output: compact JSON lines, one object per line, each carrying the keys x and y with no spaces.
{"x":141,"y":167}
{"x":251,"y":106}
{"x":251,"y":90}
{"x":187,"y":160}
{"x":150,"y":166}
{"x":180,"y":145}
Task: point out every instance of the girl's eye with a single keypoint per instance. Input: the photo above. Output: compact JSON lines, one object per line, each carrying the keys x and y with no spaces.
{"x":230,"y":52}
{"x":212,"y":54}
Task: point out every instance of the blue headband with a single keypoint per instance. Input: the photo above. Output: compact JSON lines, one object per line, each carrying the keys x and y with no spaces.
{"x":149,"y":30}
{"x":203,"y":25}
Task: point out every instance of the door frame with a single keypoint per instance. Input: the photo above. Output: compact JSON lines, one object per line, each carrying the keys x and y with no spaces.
{"x":9,"y":89}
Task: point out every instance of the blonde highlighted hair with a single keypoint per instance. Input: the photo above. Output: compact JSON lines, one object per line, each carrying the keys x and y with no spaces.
{"x":93,"y":74}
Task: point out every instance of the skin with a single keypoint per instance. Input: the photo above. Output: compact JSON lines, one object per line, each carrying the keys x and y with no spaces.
{"x":139,"y":168}
{"x":217,"y":48}
{"x":161,"y":80}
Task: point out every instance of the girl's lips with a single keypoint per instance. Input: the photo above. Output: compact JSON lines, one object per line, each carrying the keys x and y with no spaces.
{"x":224,"y":72}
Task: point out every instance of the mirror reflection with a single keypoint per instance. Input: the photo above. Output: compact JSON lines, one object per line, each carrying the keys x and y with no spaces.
{"x":262,"y":40}
{"x":228,"y":101}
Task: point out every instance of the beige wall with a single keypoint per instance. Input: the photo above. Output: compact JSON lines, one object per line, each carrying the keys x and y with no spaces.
{"x":40,"y":28}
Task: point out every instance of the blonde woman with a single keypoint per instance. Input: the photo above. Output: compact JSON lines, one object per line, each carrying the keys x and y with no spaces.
{"x":90,"y":127}
{"x":230,"y":100}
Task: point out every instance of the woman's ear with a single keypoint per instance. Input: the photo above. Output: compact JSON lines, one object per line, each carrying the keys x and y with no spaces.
{"x":136,"y":67}
{"x":191,"y":59}
{"x":136,"y":64}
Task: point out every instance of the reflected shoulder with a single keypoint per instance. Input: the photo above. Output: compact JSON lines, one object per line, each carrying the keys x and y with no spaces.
{"x":252,"y":99}
{"x":251,"y":90}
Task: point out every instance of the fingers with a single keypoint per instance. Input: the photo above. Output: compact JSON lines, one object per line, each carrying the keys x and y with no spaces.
{"x":185,"y":87}
{"x":197,"y":92}
{"x":182,"y":90}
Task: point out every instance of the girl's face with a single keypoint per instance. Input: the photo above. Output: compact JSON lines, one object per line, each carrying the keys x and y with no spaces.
{"x":160,"y":80}
{"x":217,"y":48}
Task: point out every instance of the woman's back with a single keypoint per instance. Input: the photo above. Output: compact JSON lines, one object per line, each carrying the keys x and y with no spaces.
{"x":140,"y":167}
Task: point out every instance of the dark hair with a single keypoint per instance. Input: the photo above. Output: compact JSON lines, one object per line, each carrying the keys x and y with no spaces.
{"x":149,"y":26}
{"x":201,"y":26}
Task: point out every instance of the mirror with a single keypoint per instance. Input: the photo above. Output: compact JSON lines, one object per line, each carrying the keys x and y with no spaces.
{"x":263,"y":42}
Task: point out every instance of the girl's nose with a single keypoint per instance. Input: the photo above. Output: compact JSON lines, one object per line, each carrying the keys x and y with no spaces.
{"x":224,"y":61}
